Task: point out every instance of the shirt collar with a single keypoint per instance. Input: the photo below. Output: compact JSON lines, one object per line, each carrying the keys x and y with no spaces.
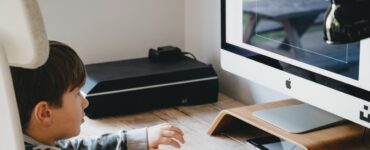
{"x":30,"y":140}
{"x":38,"y":145}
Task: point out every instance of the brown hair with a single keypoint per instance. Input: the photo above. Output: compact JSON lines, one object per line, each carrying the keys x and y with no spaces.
{"x":63,"y":71}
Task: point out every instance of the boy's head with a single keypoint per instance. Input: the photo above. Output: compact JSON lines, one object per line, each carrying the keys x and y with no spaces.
{"x":43,"y":92}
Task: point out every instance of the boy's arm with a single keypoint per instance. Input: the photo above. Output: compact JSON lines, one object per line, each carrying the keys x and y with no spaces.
{"x":124,"y":140}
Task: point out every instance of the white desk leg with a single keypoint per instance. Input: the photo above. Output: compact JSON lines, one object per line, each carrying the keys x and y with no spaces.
{"x":11,"y":137}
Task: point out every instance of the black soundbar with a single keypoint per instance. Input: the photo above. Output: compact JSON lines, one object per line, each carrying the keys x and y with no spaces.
{"x":129,"y":86}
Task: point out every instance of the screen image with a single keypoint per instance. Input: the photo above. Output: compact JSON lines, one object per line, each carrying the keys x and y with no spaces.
{"x":294,"y":29}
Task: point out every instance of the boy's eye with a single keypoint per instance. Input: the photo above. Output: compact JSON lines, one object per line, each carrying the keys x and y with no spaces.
{"x":77,"y":92}
{"x":80,"y":93}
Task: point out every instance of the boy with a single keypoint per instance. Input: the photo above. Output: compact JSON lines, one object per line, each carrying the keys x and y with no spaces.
{"x":51,"y":109}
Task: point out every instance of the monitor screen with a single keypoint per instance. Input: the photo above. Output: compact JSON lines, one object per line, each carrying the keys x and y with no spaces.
{"x":279,"y":43}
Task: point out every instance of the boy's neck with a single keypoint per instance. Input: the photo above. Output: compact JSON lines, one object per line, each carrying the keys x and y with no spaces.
{"x":41,"y":137}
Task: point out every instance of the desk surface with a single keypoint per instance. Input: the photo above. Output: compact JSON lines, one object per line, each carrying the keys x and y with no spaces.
{"x":193,"y":120}
{"x":282,"y":9}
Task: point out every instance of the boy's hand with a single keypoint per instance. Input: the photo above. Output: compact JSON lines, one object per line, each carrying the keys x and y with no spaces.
{"x":165,"y":134}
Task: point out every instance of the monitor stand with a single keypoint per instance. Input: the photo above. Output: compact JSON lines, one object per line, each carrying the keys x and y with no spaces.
{"x":298,"y":118}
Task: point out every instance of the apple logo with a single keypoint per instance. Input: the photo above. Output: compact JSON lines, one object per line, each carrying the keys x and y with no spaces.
{"x":288,"y":84}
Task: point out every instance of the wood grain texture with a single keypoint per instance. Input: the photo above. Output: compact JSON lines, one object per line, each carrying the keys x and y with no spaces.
{"x":193,"y":120}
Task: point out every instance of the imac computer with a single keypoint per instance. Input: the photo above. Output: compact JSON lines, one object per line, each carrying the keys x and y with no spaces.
{"x":280,"y":44}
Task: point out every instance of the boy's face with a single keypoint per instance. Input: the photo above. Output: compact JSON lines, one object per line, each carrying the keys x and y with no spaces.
{"x":68,"y":118}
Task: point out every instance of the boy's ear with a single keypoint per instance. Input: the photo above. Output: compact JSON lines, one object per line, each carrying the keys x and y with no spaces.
{"x":43,"y":113}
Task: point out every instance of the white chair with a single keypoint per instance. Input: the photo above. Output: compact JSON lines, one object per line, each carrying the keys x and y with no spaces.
{"x":23,"y":43}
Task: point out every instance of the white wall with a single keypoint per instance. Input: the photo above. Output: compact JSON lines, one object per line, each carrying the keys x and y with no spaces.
{"x":121,"y":29}
{"x":105,"y":30}
{"x":202,"y":36}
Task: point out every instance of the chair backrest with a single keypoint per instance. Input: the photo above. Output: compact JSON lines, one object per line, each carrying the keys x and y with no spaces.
{"x":23,"y":43}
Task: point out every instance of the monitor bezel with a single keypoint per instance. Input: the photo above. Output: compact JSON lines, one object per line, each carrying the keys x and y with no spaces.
{"x":357,"y":92}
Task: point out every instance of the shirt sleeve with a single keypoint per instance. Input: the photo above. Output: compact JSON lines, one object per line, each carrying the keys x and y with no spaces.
{"x":137,"y":139}
{"x":123,"y":140}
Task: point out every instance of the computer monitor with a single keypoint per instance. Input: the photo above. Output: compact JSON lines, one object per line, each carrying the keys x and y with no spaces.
{"x":279,"y":44}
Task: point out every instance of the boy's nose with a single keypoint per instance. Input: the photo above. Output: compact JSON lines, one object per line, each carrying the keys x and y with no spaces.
{"x":85,"y":103}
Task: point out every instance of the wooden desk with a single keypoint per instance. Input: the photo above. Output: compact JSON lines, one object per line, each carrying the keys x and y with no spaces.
{"x":348,"y":136}
{"x":296,"y":16}
{"x":193,"y":120}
